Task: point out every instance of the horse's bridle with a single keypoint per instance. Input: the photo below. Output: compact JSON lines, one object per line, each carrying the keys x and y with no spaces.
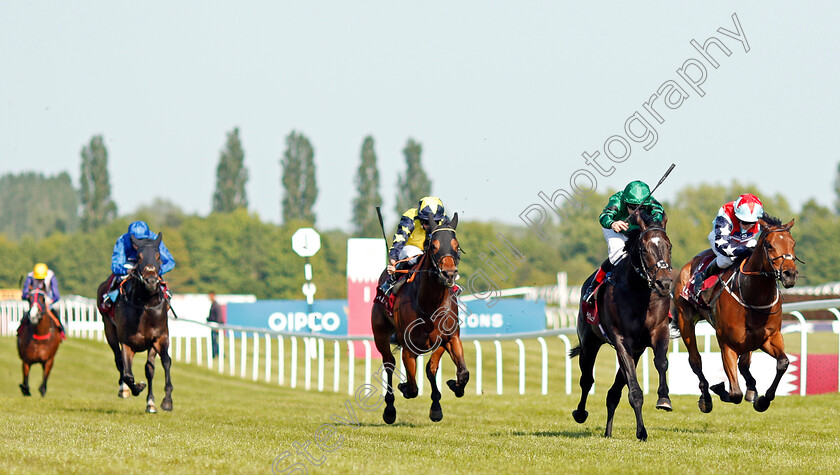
{"x":645,"y":271}
{"x":777,"y":271}
{"x":435,"y":258}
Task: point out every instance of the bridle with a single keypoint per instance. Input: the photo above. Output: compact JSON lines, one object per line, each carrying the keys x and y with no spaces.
{"x":455,"y":254}
{"x":645,"y":272}
{"x":777,"y":271}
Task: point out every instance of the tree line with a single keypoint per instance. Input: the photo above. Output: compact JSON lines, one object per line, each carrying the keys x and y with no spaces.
{"x":45,"y":219}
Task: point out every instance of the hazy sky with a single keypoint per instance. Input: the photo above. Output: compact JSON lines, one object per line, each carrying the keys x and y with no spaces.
{"x":503,"y":96}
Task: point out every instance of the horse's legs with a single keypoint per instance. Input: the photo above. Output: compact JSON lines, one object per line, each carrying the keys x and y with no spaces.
{"x":24,"y":386}
{"x":775,"y":347}
{"x":113,"y":342}
{"x":47,"y":368}
{"x":456,"y":352}
{"x":150,"y":374}
{"x":409,"y":387}
{"x":166,"y":362}
{"x":627,"y":364}
{"x":686,"y":325}
{"x":730,"y":359}
{"x":660,"y":360}
{"x":744,"y":368}
{"x":588,"y":352}
{"x":382,"y":330}
{"x":613,"y":398}
{"x":435,"y":412}
{"x":128,"y":375}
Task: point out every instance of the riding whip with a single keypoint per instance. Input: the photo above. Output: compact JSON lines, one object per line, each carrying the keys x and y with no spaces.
{"x":663,"y":178}
{"x":382,"y":227}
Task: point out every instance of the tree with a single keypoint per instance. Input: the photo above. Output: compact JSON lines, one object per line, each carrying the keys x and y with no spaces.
{"x":837,"y":189}
{"x":298,"y":179}
{"x":95,"y":192}
{"x":414,"y":184}
{"x":36,"y":205}
{"x":231,"y":176}
{"x":365,"y":221}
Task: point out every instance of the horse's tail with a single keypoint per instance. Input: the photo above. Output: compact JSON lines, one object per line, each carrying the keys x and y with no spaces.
{"x":575,"y":351}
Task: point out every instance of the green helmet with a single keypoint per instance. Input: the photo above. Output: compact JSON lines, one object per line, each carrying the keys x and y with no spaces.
{"x":636,"y":193}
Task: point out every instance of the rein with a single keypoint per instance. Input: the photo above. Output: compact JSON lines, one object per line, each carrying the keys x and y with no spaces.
{"x":46,"y":311}
{"x":776,"y":275}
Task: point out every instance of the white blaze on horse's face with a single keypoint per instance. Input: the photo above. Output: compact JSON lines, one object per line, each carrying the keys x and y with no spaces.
{"x":655,"y":240}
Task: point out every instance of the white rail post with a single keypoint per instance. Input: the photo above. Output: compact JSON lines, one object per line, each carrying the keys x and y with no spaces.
{"x":307,"y":363}
{"x":198,"y":346}
{"x":221,"y":351}
{"x":293,"y":363}
{"x":420,"y":373}
{"x":232,"y":351}
{"x":178,"y":348}
{"x":255,"y":369}
{"x":803,"y":361}
{"x":541,"y":340}
{"x":478,"y":368}
{"x":243,"y":357}
{"x":366,"y":344}
{"x":521,"y":366}
{"x":267,"y":358}
{"x":281,"y":376}
{"x":336,"y":365}
{"x":351,"y":366}
{"x":498,"y":346}
{"x":567,"y":348}
{"x":321,"y":364}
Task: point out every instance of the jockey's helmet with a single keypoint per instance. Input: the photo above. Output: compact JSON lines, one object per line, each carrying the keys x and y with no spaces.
{"x":430,"y":207}
{"x":748,"y":208}
{"x":40,"y":271}
{"x":636,"y":193}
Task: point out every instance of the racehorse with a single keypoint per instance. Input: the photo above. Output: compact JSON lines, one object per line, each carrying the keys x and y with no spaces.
{"x":138,"y":322}
{"x":425,"y":317}
{"x":633,"y":312}
{"x":38,"y":339}
{"x":746,"y":312}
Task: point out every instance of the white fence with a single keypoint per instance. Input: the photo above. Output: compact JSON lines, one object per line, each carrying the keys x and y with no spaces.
{"x":191,"y":344}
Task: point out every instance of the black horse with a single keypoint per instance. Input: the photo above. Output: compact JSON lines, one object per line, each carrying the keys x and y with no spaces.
{"x":138,"y":322}
{"x":633,"y":308}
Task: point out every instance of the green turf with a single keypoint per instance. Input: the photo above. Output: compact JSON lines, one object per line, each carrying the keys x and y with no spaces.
{"x":230,"y":425}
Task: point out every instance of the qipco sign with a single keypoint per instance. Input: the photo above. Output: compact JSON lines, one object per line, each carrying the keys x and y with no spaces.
{"x":326,"y":316}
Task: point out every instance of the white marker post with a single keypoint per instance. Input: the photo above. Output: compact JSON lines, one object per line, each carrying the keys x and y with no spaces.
{"x":306,"y":242}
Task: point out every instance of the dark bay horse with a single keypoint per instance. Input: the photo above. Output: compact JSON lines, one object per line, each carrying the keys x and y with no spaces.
{"x":138,"y":322}
{"x":746,"y":312}
{"x":425,"y":318}
{"x":633,"y":310}
{"x":38,"y":338}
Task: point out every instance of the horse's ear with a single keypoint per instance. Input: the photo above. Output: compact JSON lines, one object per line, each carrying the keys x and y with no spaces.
{"x":133,"y":242}
{"x":159,"y":239}
{"x":664,"y":220}
{"x":790,"y":223}
{"x":639,"y":221}
{"x":432,"y":226}
{"x":762,"y":224}
{"x":454,"y":222}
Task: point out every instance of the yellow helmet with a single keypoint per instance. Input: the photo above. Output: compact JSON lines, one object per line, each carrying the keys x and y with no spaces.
{"x":40,"y":271}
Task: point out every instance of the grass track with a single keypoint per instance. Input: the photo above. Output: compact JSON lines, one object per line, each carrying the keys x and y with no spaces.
{"x":229,"y":425}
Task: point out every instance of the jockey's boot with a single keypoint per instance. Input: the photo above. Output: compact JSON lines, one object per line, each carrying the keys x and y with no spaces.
{"x":709,"y":271}
{"x":605,"y":268}
{"x":393,"y":339}
{"x":388,"y":285}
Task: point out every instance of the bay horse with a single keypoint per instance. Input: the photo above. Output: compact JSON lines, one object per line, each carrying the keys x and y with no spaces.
{"x":633,"y":312}
{"x":38,"y":338}
{"x":138,"y":322}
{"x":745,"y":311}
{"x":425,"y":317}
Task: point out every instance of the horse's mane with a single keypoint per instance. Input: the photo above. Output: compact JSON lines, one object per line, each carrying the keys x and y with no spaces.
{"x":772,"y":220}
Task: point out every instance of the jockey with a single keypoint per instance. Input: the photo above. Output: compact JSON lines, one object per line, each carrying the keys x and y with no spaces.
{"x":125,"y":256}
{"x":410,"y":239}
{"x":43,"y":274}
{"x":735,"y":235}
{"x":615,"y":226}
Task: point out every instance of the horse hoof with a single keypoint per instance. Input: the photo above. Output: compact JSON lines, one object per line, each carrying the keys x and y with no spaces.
{"x":166,"y":405}
{"x":138,"y":388}
{"x":719,"y":390}
{"x":580,"y":415}
{"x":150,"y":408}
{"x":750,"y":395}
{"x":705,"y":404}
{"x":403,"y":387}
{"x":25,"y":390}
{"x":761,"y":404}
{"x":42,"y":390}
{"x":664,"y":404}
{"x":641,"y":434}
{"x":389,"y":415}
{"x":124,"y":393}
{"x":453,"y":385}
{"x":435,"y":415}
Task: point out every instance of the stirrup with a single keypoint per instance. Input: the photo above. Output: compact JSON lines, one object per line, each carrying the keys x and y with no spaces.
{"x":386,"y":287}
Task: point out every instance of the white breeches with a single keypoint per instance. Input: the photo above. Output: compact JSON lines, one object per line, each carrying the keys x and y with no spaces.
{"x":615,"y":245}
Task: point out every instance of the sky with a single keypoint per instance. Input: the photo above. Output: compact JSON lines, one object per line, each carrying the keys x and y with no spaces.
{"x":504,"y":97}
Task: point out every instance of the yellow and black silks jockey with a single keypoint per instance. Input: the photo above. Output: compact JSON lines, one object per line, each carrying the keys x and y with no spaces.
{"x":410,"y":239}
{"x":615,"y":226}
